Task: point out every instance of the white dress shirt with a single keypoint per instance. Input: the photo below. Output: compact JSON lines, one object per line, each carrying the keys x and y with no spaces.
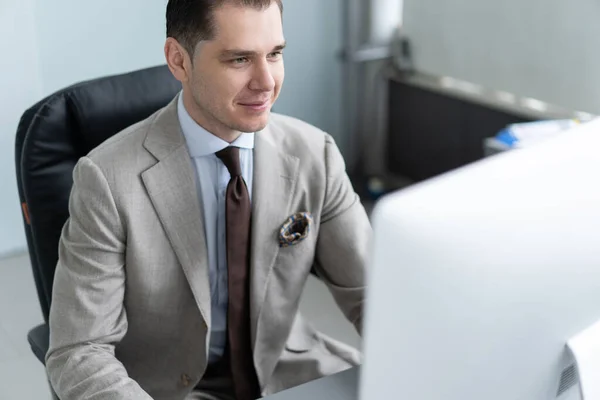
{"x":213,"y":177}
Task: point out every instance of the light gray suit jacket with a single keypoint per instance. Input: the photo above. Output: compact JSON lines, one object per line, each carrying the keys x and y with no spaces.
{"x":130,"y":311}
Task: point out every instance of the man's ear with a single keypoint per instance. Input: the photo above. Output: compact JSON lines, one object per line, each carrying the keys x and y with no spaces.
{"x":178,"y":60}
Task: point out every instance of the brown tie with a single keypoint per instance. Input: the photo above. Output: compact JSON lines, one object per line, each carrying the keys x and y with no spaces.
{"x":238,"y":212}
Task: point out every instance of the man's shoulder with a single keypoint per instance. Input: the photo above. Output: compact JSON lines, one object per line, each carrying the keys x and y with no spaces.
{"x":296,"y":136}
{"x":124,"y":147}
{"x":298,"y":129}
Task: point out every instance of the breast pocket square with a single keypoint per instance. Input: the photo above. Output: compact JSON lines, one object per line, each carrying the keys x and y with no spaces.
{"x":295,"y":229}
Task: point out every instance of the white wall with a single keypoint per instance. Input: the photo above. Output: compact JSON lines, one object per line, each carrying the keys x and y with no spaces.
{"x":20,"y":86}
{"x":546,"y":49}
{"x":61,"y":42}
{"x":81,"y":40}
{"x":313,"y":82}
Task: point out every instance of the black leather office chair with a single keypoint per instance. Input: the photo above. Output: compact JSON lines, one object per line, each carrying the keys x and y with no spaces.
{"x":51,"y":136}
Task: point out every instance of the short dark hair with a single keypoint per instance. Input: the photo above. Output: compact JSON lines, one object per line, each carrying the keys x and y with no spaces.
{"x":190,"y":21}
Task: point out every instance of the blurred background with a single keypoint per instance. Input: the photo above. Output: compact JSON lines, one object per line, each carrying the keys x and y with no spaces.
{"x":409,"y":89}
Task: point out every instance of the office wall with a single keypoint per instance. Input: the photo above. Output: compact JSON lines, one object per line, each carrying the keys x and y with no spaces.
{"x":546,"y":49}
{"x":81,"y":40}
{"x":60,"y":42}
{"x":20,"y":86}
{"x":313,"y":84}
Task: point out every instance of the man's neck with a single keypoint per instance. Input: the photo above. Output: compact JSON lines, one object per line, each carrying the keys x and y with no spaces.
{"x":215,"y":128}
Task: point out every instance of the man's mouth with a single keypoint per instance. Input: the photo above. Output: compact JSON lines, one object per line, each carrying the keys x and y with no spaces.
{"x":256,"y":105}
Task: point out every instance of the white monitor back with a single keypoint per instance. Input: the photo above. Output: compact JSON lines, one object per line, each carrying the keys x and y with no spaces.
{"x":481,"y":276}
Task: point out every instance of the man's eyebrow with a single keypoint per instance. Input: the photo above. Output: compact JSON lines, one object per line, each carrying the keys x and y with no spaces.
{"x":280,"y":47}
{"x":234,"y":53}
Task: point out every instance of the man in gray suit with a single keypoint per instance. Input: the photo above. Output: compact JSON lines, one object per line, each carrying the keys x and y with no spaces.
{"x":192,"y":233}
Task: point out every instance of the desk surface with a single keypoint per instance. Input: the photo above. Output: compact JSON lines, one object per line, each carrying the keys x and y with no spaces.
{"x":342,"y":386}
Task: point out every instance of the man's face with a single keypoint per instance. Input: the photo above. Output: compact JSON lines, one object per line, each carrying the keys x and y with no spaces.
{"x":237,"y":76}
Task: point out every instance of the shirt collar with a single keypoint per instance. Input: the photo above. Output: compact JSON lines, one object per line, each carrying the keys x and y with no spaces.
{"x":201,"y":142}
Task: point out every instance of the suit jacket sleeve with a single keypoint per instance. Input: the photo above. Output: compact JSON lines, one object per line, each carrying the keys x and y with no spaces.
{"x":344,"y":238}
{"x":87,"y":316}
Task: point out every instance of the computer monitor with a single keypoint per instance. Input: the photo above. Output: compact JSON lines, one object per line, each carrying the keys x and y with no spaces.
{"x":481,"y":276}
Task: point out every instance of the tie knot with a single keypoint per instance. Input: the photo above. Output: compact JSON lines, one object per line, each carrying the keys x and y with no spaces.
{"x":231,"y":158}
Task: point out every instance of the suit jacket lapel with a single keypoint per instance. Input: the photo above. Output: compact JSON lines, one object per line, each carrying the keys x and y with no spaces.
{"x":274,"y":183}
{"x":172,"y":187}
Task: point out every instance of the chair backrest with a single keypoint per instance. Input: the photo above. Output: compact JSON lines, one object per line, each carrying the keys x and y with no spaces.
{"x":52,"y":136}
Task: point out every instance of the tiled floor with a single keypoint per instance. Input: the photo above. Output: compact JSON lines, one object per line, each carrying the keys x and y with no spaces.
{"x":22,"y":376}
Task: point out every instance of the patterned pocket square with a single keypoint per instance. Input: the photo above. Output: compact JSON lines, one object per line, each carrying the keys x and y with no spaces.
{"x":295,"y":229}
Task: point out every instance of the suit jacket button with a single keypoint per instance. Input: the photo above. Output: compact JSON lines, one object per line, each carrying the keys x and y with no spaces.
{"x":186,"y":380}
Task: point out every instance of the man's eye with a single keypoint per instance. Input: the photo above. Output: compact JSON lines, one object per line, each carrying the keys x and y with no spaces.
{"x":276,"y":54}
{"x":240,"y":60}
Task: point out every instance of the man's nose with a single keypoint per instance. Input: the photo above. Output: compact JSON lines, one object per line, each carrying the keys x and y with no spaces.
{"x":262,"y":78}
